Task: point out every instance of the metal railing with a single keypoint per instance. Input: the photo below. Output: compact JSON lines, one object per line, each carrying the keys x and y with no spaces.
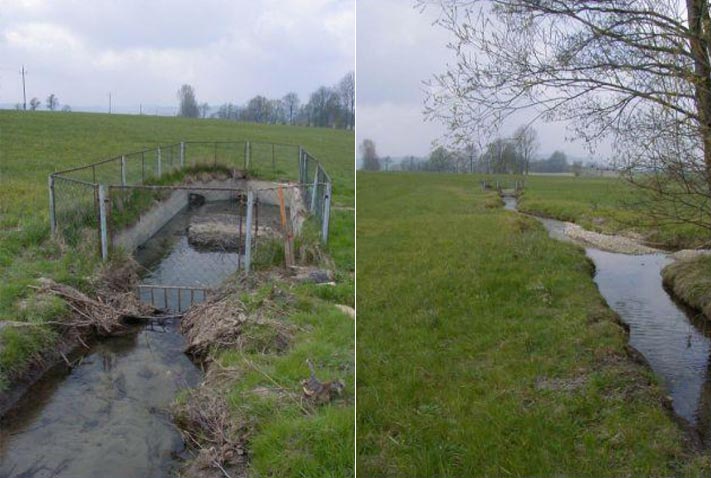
{"x":82,"y":199}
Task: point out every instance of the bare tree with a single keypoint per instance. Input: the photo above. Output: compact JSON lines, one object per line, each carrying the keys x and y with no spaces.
{"x":204,"y":110}
{"x":52,"y":102}
{"x":291,"y":104}
{"x":188,"y":104}
{"x":346,"y":91}
{"x":635,"y":71}
{"x":371,"y":162}
{"x":34,"y":104}
{"x":526,"y":140}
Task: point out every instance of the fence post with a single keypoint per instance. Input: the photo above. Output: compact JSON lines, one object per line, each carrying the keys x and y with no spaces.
{"x":302,"y":180}
{"x":326,"y":214}
{"x":159,"y":165}
{"x":182,"y":154}
{"x":248,"y":231}
{"x":313,"y":192}
{"x":123,"y":170}
{"x":102,"y":223}
{"x":52,"y":211}
{"x":248,"y":157}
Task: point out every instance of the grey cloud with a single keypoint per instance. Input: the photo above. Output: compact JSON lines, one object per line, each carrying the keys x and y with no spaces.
{"x":142,"y":51}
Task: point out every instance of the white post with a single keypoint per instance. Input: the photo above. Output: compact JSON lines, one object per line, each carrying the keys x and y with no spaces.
{"x":182,"y":154}
{"x":159,"y":163}
{"x":248,"y":156}
{"x":326,"y":214}
{"x":248,"y":236}
{"x":102,"y":222}
{"x":123,"y":170}
{"x":313,"y":192}
{"x":52,"y":214}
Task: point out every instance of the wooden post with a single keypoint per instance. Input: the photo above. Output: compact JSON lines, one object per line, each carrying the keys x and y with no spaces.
{"x":248,"y":232}
{"x":102,"y":223}
{"x":52,"y":210}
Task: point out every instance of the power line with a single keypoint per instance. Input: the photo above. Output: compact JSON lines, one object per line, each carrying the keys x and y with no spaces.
{"x":24,"y":93}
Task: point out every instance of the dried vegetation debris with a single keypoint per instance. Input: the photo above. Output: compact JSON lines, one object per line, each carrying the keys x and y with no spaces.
{"x":226,"y":321}
{"x":207,"y":426}
{"x":318,"y":392}
{"x":114,"y":300}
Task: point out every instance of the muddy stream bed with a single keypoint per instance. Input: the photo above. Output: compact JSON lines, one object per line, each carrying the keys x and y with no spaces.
{"x":672,"y":339}
{"x":109,"y":416}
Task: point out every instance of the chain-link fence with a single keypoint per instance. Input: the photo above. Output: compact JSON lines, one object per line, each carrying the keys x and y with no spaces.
{"x":194,"y":212}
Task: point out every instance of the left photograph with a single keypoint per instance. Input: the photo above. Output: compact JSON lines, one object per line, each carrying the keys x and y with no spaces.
{"x":177,"y":253}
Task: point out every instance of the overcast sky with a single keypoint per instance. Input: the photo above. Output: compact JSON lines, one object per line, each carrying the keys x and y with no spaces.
{"x":398,"y":48}
{"x":143,"y":50}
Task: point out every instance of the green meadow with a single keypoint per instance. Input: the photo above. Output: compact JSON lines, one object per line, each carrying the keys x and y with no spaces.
{"x":608,"y":205}
{"x":33,"y":145}
{"x":485,"y":349}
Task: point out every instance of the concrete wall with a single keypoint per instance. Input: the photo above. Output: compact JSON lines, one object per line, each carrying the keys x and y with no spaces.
{"x":158,"y":216}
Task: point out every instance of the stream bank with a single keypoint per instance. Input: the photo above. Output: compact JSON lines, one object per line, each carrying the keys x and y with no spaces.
{"x":109,"y":413}
{"x":670,"y":337}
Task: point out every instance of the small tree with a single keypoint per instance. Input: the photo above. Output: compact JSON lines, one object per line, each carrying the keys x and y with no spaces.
{"x":188,"y":103}
{"x":204,"y":109}
{"x":291,"y":105}
{"x":34,"y":104}
{"x":52,"y":102}
{"x":526,"y":140}
{"x":371,"y":162}
{"x":346,"y":91}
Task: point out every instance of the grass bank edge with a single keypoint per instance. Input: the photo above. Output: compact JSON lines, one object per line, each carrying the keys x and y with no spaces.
{"x":689,"y":280}
{"x":609,"y":206}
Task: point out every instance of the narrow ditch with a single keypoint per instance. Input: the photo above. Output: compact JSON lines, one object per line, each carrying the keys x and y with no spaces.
{"x":109,"y":415}
{"x":673,"y":340}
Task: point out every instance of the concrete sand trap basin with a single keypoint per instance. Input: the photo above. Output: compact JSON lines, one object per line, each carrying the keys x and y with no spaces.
{"x":222,"y":232}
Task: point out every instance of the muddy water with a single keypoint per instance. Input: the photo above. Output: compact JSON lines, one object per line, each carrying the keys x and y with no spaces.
{"x":108,"y":417}
{"x":676,"y":344}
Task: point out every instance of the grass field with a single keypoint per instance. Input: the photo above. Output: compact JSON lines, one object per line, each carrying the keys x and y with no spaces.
{"x":606,"y":205}
{"x":32,"y":145}
{"x":485,"y":349}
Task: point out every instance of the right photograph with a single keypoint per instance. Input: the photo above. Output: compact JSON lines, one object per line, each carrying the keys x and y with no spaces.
{"x":533,"y":238}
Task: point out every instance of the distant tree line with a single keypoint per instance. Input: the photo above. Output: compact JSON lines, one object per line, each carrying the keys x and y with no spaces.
{"x":52,"y":104}
{"x":330,"y":107}
{"x":512,"y":155}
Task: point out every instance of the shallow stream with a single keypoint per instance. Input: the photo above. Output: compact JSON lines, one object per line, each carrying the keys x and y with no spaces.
{"x":109,"y":416}
{"x":676,"y":344}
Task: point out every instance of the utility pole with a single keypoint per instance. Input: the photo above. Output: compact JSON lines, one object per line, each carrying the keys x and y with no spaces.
{"x":24,"y":93}
{"x":109,"y":102}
